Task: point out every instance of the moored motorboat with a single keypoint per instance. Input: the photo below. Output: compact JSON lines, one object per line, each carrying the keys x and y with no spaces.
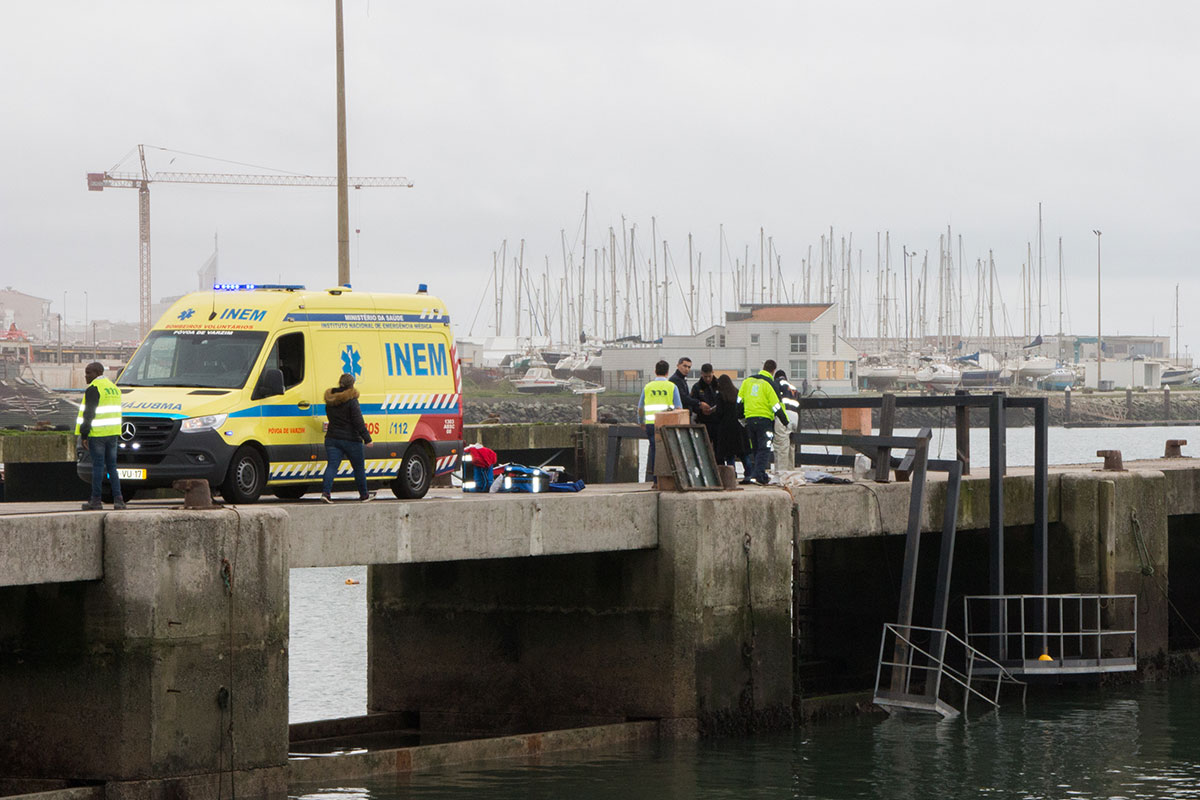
{"x":538,"y":380}
{"x":939,"y":377}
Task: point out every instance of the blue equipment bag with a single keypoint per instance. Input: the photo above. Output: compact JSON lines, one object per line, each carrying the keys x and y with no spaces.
{"x":516,"y":478}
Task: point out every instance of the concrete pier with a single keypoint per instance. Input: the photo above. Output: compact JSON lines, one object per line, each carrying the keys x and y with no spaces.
{"x":168,"y":676}
{"x":693,"y":633}
{"x":145,"y":651}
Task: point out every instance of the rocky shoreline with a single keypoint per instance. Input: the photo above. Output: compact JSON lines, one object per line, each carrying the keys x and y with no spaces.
{"x":1094,"y":409}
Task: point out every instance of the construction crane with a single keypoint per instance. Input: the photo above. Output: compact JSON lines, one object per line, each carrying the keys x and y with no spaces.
{"x":99,"y":181}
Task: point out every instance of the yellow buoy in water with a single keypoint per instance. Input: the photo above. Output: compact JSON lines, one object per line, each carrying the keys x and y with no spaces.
{"x":351,"y":582}
{"x":1042,"y":657}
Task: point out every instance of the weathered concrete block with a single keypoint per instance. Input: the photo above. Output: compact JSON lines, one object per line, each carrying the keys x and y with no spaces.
{"x":185,"y":636}
{"x":1105,"y":514}
{"x":37,"y":447}
{"x":470,"y":528}
{"x":523,"y":644}
{"x":50,"y":548}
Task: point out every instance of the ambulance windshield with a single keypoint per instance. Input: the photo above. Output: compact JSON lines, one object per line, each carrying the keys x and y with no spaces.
{"x":200,"y":359}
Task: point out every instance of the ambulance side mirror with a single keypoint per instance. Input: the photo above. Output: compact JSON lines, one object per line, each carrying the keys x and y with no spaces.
{"x":270,"y":383}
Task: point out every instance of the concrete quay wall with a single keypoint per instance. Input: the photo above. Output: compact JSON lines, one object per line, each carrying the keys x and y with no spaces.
{"x":156,"y":664}
{"x":130,"y":641}
{"x":166,"y":677}
{"x":695,"y":633}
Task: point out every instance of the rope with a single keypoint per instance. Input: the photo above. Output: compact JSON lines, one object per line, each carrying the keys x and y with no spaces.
{"x":1142,"y":550}
{"x":1147,"y":569}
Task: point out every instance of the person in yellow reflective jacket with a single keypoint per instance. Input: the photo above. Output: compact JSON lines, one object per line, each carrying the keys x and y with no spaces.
{"x":760,"y":408}
{"x":98,"y":426}
{"x":658,"y":395}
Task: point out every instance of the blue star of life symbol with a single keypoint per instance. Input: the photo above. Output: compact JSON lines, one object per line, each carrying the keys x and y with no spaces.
{"x":186,"y":315}
{"x":350,"y":361}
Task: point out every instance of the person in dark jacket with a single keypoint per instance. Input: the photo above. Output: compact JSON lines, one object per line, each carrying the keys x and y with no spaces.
{"x":707,"y":399}
{"x":680,"y":380}
{"x":732,"y":444}
{"x":345,"y":436}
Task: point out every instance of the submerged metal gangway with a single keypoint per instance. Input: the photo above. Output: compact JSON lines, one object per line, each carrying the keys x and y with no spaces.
{"x":997,"y":640}
{"x":927,"y":680}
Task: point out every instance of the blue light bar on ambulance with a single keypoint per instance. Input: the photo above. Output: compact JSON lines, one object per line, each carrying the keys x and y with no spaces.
{"x":249,"y":287}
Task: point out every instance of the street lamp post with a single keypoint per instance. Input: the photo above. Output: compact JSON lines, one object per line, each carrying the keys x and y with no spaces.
{"x":1099,"y":346}
{"x":907,"y":306}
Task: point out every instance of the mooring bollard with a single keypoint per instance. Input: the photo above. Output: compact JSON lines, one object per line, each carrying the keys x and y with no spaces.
{"x":1067,"y":404}
{"x":1166,"y":402}
{"x":1112,"y":460}
{"x":196,"y":493}
{"x":1173,"y":448}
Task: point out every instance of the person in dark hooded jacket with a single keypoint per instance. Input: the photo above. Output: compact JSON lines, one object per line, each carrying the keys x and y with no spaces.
{"x":345,"y":436}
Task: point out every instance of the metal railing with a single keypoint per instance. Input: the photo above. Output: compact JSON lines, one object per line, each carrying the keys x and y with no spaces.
{"x":1038,"y":633}
{"x":916,"y":671}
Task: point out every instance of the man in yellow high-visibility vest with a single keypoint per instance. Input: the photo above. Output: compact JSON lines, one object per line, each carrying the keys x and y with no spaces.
{"x":658,"y":395}
{"x":760,"y":406}
{"x":98,"y":426}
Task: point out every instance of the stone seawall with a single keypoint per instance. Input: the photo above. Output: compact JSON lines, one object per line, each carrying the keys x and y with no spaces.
{"x":1086,"y":409}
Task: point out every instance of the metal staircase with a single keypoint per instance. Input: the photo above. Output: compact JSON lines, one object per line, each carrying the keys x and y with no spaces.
{"x":932,"y":670}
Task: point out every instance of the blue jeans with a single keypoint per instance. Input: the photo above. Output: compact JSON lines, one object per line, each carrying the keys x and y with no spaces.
{"x":103,"y":450}
{"x":335,"y":451}
{"x":760,"y":429}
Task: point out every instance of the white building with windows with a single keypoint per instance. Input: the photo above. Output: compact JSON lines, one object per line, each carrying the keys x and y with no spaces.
{"x":802,"y":339}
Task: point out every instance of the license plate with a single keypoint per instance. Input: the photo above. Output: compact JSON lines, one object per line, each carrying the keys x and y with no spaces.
{"x":131,"y":474}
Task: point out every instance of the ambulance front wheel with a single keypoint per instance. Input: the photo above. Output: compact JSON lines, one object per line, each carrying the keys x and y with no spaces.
{"x":246,"y":478}
{"x":416,"y":474}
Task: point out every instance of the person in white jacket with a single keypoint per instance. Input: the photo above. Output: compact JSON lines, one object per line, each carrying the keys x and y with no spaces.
{"x":781,"y":443}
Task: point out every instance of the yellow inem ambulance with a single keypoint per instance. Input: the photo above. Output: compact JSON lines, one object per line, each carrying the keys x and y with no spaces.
{"x":229,"y":387}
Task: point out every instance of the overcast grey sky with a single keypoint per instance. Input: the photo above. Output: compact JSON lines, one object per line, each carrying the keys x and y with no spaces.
{"x":869,"y":116}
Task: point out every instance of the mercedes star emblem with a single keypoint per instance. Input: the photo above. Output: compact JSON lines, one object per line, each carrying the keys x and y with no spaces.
{"x":128,"y":429}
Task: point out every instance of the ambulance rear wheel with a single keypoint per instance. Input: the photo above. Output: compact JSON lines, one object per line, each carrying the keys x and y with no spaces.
{"x":246,"y":478}
{"x":416,"y":474}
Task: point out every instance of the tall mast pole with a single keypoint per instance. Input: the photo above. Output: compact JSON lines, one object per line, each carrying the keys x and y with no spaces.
{"x":1099,"y":346}
{"x":583,"y":268}
{"x":1041,"y":254}
{"x":612,"y":273}
{"x":1060,"y":292}
{"x":343,"y":197}
{"x":691,"y":287}
{"x":721,"y":268}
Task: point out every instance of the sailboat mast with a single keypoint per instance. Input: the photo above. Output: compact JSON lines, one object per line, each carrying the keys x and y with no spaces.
{"x":691,"y":287}
{"x":1060,"y":294}
{"x":721,"y":267}
{"x":583,"y":267}
{"x":1178,"y":349}
{"x":1041,"y":252}
{"x":654,"y":279}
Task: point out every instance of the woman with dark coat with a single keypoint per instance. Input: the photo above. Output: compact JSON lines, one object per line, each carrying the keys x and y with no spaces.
{"x":345,"y":436}
{"x":732,"y":443}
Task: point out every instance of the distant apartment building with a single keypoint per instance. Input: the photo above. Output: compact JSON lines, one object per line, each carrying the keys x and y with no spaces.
{"x":30,"y":314}
{"x":804,"y":340}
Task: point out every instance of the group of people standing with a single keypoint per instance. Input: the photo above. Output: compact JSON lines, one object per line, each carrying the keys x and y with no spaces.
{"x":745,"y":425}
